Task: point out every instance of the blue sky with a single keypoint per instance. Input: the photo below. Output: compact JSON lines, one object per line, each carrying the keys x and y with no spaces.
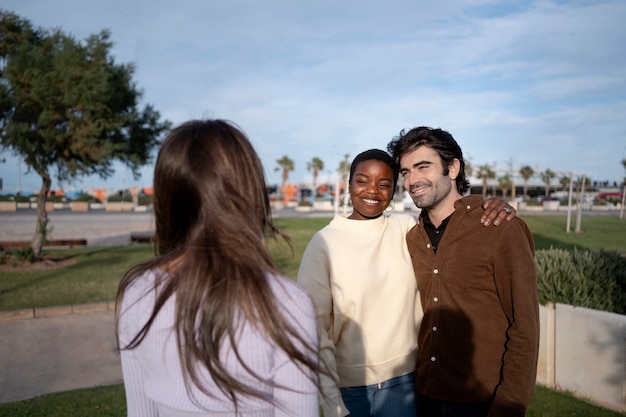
{"x":539,"y":83}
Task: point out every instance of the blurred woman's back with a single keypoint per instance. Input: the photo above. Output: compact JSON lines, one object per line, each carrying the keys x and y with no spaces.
{"x":208,"y":325}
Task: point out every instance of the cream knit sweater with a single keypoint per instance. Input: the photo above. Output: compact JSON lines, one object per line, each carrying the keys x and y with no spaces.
{"x":361,"y":279}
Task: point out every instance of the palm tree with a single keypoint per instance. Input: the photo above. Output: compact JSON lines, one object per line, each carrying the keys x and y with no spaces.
{"x":286,"y":165}
{"x":547,"y":176}
{"x":526,"y":172}
{"x":624,"y":163}
{"x":505,"y":184}
{"x":316,"y":165}
{"x":344,"y":170}
{"x":469,"y":168}
{"x":564,"y":181}
{"x":485,"y":173}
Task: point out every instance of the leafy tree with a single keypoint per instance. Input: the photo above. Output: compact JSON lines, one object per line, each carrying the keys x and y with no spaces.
{"x":285,"y":165}
{"x":505,"y":184}
{"x":68,"y":110}
{"x":546,"y":177}
{"x":485,"y":173}
{"x":316,"y":165}
{"x":526,"y":172}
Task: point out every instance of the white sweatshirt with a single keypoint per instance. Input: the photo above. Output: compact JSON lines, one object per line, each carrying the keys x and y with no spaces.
{"x":360,"y":276}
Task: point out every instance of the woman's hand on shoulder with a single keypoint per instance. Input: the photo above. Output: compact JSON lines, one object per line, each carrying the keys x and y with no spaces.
{"x":497,"y":210}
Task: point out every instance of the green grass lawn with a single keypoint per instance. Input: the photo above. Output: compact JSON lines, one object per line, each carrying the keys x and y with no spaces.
{"x":96,"y":271}
{"x":109,"y":402}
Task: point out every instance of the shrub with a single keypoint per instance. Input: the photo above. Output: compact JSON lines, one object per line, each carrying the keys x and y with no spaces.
{"x":592,"y":279}
{"x":144,"y":200}
{"x":120,"y":196}
{"x":56,"y":199}
{"x":84,"y":197}
{"x":13,"y":197}
{"x":24,"y":254}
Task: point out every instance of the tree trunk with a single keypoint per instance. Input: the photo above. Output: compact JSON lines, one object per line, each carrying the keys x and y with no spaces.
{"x":41,"y":229}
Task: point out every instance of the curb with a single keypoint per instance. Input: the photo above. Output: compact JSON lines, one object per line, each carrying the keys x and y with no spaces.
{"x":41,"y":312}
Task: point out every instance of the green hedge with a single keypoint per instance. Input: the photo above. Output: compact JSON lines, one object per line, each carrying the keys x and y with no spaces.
{"x":116,"y":197}
{"x":583,"y":278}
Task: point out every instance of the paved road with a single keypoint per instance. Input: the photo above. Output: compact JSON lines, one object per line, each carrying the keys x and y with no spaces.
{"x":57,"y":353}
{"x":99,"y":227}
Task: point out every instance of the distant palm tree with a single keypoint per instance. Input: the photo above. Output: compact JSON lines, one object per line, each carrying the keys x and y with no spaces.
{"x":344,"y":169}
{"x":526,"y":172}
{"x":485,"y":173}
{"x":564,"y":181}
{"x":469,"y":168}
{"x":624,"y":163}
{"x":505,"y":184}
{"x":316,"y":165}
{"x":547,"y":176}
{"x":286,"y":165}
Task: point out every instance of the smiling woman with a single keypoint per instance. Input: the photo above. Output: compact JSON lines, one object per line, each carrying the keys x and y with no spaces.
{"x":368,"y":284}
{"x":372,"y":183}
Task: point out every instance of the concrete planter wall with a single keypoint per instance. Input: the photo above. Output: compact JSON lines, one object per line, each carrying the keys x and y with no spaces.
{"x":79,"y":206}
{"x":277,"y":205}
{"x":8,"y":206}
{"x":583,"y":351}
{"x":117,"y":206}
{"x":551,"y":205}
{"x":323,"y":205}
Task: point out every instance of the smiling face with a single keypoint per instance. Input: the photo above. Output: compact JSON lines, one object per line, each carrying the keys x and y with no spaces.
{"x":371,"y":189}
{"x":430,"y":184}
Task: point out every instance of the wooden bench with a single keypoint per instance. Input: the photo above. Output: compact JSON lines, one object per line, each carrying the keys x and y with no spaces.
{"x":50,"y":243}
{"x":142,"y":237}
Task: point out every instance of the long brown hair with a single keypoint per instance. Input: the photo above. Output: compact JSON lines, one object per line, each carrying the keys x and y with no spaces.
{"x":212,"y":217}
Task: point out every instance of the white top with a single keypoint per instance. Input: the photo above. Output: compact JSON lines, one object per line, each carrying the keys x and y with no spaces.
{"x":153,"y":376}
{"x":360,"y":276}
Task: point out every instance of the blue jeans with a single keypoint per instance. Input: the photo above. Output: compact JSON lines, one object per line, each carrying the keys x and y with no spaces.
{"x":392,"y":398}
{"x":427,"y":407}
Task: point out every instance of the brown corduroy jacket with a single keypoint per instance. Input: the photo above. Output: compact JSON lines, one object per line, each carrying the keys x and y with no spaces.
{"x":480,"y":334}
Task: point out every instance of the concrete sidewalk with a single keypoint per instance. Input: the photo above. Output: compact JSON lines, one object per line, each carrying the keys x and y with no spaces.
{"x":57,"y":349}
{"x":69,"y":347}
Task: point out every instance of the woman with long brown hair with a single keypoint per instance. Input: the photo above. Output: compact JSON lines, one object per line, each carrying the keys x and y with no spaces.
{"x":208,"y":326}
